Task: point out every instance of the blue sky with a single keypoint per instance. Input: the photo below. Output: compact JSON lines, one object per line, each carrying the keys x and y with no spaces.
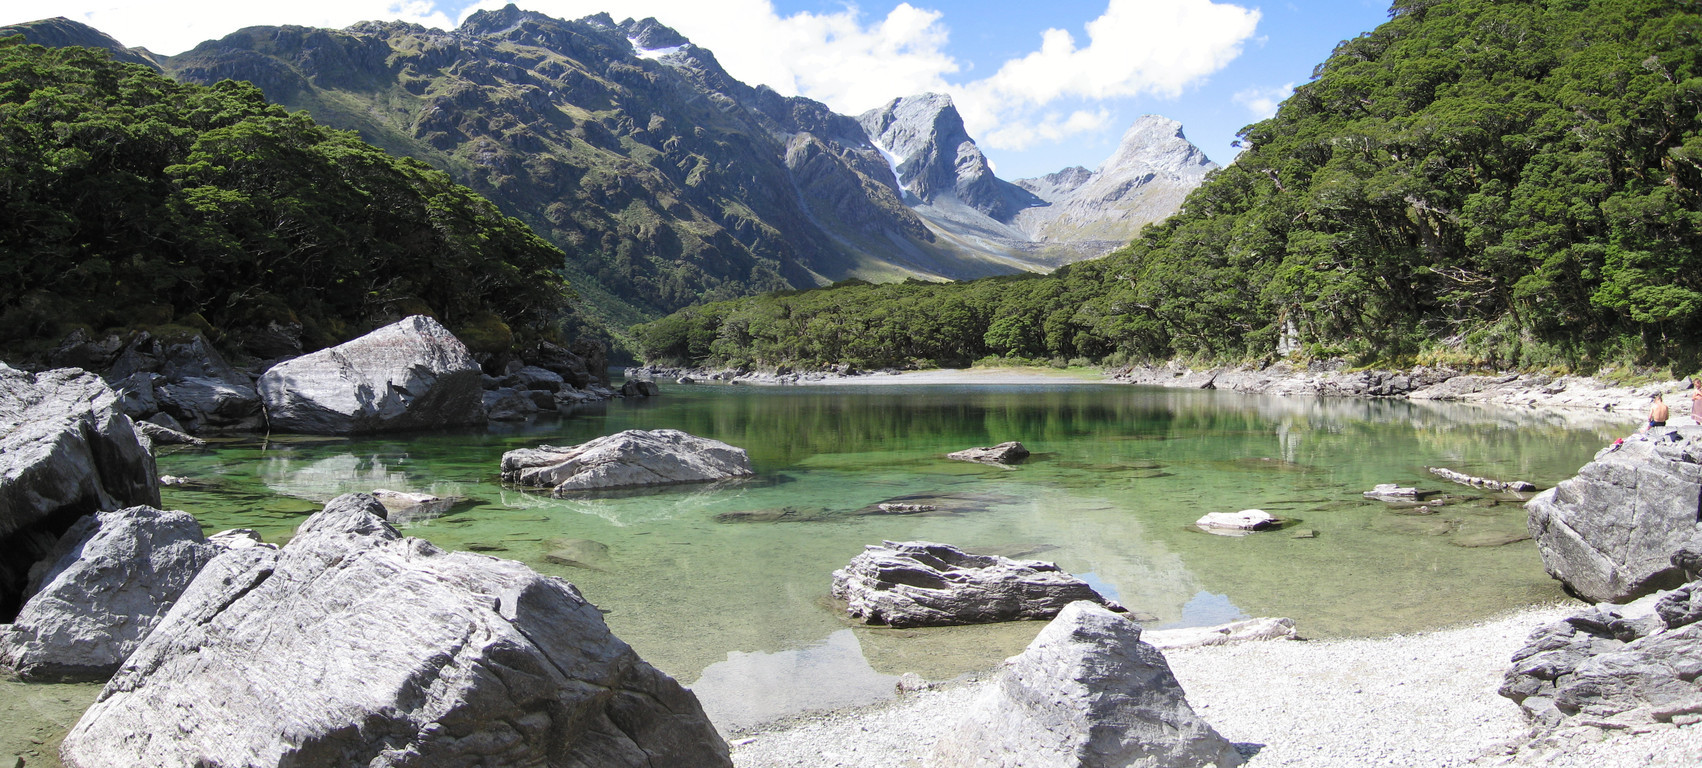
{"x":1042,"y":85}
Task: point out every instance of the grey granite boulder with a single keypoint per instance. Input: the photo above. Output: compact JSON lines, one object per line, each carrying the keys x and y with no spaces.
{"x":411,"y":374}
{"x":114,"y":576}
{"x":66,"y":450}
{"x":353,"y":645}
{"x":629,"y":459}
{"x":1609,"y":533}
{"x":1620,"y":666}
{"x":1003,"y":453}
{"x":1087,"y":693}
{"x":190,"y":380}
{"x":921,"y":584}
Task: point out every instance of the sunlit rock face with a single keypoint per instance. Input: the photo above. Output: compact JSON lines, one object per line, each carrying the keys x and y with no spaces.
{"x":353,"y":645}
{"x":412,"y":374}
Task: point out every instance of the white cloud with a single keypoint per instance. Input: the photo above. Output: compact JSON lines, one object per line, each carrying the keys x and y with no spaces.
{"x":836,"y":58}
{"x":1024,"y":133}
{"x":1262,"y":102}
{"x":174,"y":27}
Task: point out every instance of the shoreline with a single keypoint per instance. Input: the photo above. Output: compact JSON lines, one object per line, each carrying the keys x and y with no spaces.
{"x":1426,"y":698}
{"x":1618,"y":403}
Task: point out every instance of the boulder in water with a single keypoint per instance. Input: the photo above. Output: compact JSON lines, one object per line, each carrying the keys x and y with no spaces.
{"x":629,"y":459}
{"x":66,"y":450}
{"x":412,"y":374}
{"x":1004,"y":453}
{"x":922,"y":584}
{"x":114,"y":576}
{"x":415,"y":656}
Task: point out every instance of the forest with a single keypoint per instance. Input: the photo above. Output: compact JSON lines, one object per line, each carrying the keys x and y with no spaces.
{"x":1495,"y":183}
{"x":132,"y":201}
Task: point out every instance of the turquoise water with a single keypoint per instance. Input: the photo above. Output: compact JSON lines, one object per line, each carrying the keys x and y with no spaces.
{"x":726,"y":587}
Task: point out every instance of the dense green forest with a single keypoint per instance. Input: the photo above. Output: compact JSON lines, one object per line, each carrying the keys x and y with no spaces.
{"x":1478,"y":182}
{"x":133,"y":201}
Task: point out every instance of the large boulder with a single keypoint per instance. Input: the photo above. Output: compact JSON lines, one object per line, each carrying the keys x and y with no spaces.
{"x":412,"y":374}
{"x":66,"y":450}
{"x":1609,"y":532}
{"x":353,"y":645}
{"x":1087,"y":693}
{"x":190,"y":380}
{"x":115,"y":576}
{"x":922,"y":584}
{"x":627,"y":459}
{"x":1613,"y":665}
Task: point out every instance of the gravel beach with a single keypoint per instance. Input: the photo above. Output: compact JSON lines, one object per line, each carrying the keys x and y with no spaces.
{"x":1425,"y":699}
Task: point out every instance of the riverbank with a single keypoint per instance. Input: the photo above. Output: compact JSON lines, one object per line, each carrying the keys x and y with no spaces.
{"x":1425,"y":699}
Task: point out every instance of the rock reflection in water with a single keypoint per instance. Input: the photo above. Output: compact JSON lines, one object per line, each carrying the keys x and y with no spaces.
{"x":749,"y":689}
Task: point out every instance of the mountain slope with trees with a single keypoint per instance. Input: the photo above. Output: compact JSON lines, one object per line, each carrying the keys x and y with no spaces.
{"x":133,"y":200}
{"x":1491,"y":182}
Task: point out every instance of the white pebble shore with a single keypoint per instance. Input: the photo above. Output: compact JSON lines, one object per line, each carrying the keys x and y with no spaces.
{"x":1425,"y":699}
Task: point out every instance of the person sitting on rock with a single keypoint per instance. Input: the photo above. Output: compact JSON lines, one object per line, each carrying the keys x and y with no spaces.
{"x":1658,"y":413}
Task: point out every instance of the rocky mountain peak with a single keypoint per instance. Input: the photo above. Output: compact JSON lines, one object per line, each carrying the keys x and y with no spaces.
{"x":652,"y":35}
{"x":1143,"y":181}
{"x":59,"y":32}
{"x":1156,"y":144}
{"x":934,"y":158}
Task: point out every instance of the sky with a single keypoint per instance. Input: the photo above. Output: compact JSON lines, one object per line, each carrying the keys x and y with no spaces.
{"x":1041,"y":85}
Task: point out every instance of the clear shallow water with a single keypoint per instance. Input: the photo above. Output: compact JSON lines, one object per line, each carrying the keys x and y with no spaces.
{"x":726,"y":589}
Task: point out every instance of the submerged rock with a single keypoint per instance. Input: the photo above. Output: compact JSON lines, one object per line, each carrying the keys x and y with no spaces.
{"x":1245,"y":521}
{"x":1003,"y":453}
{"x":403,"y":508}
{"x":1515,"y":486}
{"x":1087,"y":693}
{"x":1394,"y":492}
{"x":1608,"y":534}
{"x":921,"y":584}
{"x":416,"y":656}
{"x":1245,"y":631}
{"x":627,"y":459}
{"x":115,"y":576}
{"x":412,"y":374}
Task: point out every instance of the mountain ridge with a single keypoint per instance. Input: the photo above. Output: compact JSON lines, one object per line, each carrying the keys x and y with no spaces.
{"x":667,"y":181}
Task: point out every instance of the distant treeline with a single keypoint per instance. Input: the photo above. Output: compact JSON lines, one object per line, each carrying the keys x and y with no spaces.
{"x":130,"y":200}
{"x":1496,"y":182}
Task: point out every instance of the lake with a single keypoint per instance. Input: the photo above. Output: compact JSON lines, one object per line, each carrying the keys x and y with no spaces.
{"x":726,"y":587}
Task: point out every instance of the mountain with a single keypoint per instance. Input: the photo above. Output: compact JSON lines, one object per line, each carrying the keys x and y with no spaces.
{"x":60,"y":32}
{"x":1475,"y":183}
{"x":666,"y":181}
{"x":1144,"y":181}
{"x":1059,"y":218}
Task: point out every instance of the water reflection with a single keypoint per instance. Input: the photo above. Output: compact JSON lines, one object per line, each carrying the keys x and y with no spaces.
{"x":729,"y":583}
{"x":753,"y":688}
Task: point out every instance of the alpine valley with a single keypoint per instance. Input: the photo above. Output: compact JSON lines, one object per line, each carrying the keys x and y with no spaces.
{"x":669,"y":183}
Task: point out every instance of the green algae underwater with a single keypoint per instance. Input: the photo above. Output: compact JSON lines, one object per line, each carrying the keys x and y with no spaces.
{"x":725,"y":586}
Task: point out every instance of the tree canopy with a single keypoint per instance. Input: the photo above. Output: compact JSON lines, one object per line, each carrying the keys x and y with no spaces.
{"x":1505,"y":182}
{"x":130,"y":199}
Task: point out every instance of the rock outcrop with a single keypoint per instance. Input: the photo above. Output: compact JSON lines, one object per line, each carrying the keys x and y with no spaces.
{"x":415,"y":657}
{"x":1613,"y":666}
{"x":412,"y":374}
{"x":921,"y":584}
{"x":1087,"y":693}
{"x":1247,"y":520}
{"x":66,"y":450}
{"x":934,"y":159}
{"x":629,"y":459}
{"x":1004,"y":453}
{"x":1608,"y":534}
{"x":114,"y":576}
